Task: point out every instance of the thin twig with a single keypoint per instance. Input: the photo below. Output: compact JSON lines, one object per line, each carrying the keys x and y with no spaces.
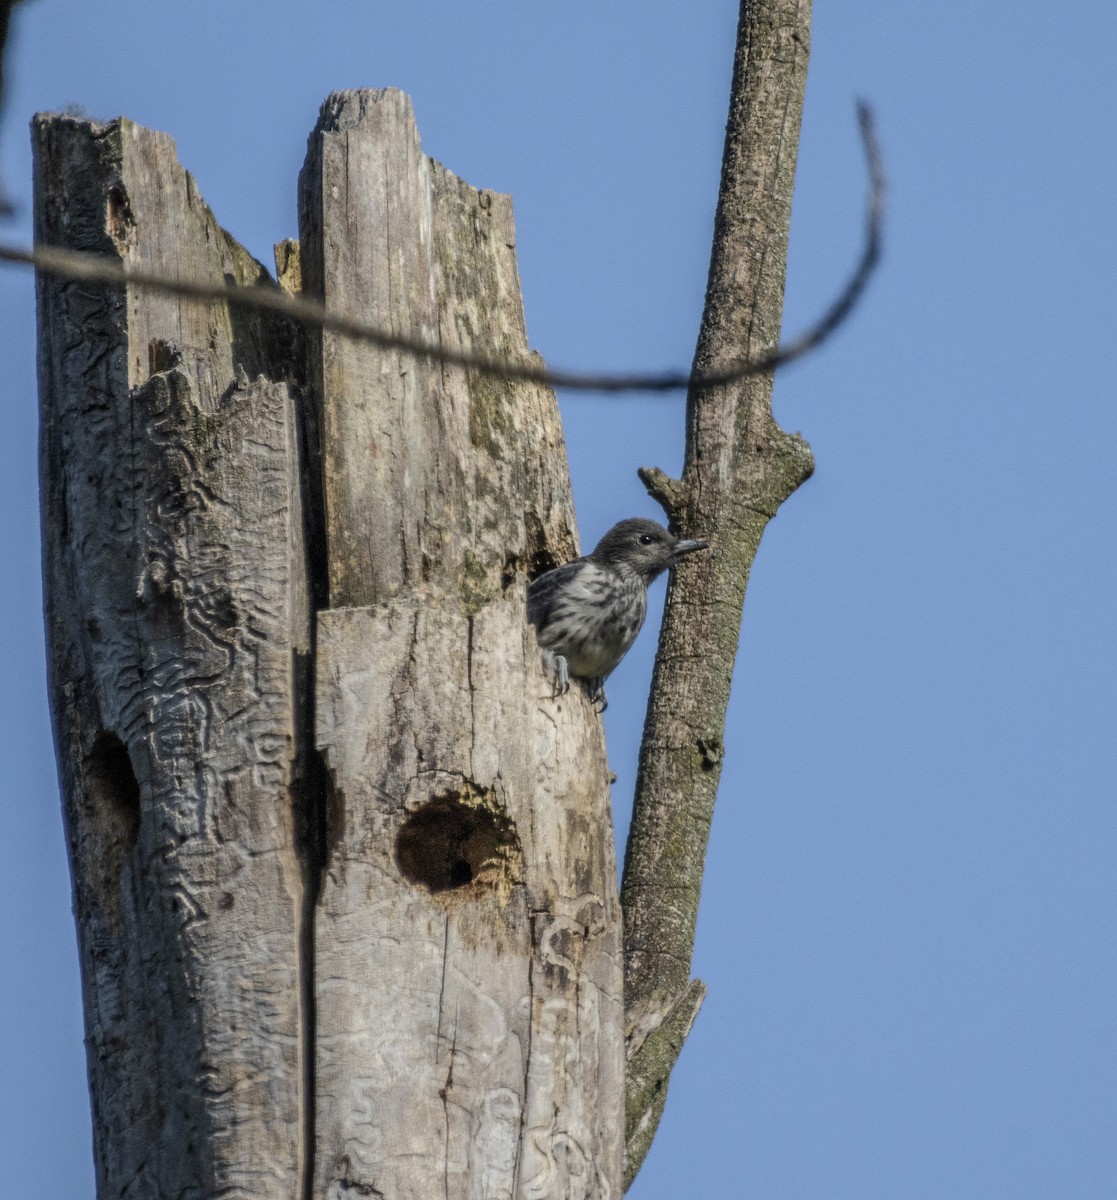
{"x":6,"y":6}
{"x":99,"y":268}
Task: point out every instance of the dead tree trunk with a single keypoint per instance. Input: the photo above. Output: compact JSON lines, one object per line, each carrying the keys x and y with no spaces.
{"x":343,"y":869}
{"x":178,"y":623}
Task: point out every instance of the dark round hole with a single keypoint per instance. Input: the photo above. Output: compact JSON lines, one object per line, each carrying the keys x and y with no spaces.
{"x":459,"y":839}
{"x":111,"y":797}
{"x":461,"y":873}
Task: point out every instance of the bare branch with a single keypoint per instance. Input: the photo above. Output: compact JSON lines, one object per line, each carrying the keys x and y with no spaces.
{"x":97,"y":268}
{"x":739,"y":467}
{"x":6,"y":7}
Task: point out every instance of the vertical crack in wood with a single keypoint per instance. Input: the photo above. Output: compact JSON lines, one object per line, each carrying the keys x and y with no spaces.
{"x":312,"y":797}
{"x":527,"y":1058}
{"x":312,"y":790}
{"x":472,"y":695}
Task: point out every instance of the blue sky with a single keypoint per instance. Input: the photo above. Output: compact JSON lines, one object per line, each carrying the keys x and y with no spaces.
{"x":908,"y":924}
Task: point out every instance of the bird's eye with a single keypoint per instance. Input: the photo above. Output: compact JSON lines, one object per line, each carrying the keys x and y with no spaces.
{"x":646,"y":539}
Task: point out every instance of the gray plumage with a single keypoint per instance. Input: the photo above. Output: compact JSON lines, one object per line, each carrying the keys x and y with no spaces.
{"x":588,"y":612}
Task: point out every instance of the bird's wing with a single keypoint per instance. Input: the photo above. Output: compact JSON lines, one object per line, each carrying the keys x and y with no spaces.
{"x":542,"y":592}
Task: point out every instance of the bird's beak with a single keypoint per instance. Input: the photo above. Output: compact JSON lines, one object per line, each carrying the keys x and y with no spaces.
{"x":687,"y":547}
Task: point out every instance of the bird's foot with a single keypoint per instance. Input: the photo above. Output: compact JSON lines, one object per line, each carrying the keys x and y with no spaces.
{"x":556,"y":665}
{"x":597,"y":694}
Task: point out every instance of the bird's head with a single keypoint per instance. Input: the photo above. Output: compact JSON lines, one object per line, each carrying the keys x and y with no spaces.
{"x":643,"y":547}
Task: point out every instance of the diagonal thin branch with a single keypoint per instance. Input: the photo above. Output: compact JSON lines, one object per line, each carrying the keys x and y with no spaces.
{"x":97,"y":268}
{"x":6,"y":7}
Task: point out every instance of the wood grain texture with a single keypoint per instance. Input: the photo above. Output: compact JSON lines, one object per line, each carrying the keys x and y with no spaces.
{"x":467,"y":947}
{"x":177,"y":614}
{"x":432,"y":474}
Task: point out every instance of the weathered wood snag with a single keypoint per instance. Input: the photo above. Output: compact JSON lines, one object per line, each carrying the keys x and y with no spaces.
{"x":177,"y":620}
{"x":467,"y":945}
{"x":345,"y":880}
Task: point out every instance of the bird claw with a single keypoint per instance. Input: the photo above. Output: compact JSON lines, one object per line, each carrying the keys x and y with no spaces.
{"x":556,"y":664}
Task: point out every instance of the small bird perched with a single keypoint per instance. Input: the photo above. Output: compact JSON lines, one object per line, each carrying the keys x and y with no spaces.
{"x":588,"y":612}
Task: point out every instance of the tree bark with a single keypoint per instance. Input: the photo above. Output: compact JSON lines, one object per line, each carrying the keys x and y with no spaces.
{"x":394,"y":968}
{"x":177,"y":619}
{"x":739,"y":467}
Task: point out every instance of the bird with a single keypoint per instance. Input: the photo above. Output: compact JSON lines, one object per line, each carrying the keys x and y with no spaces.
{"x":588,"y":612}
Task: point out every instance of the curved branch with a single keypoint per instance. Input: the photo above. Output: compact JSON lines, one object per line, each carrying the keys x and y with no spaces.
{"x":6,"y":7}
{"x":98,"y":268}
